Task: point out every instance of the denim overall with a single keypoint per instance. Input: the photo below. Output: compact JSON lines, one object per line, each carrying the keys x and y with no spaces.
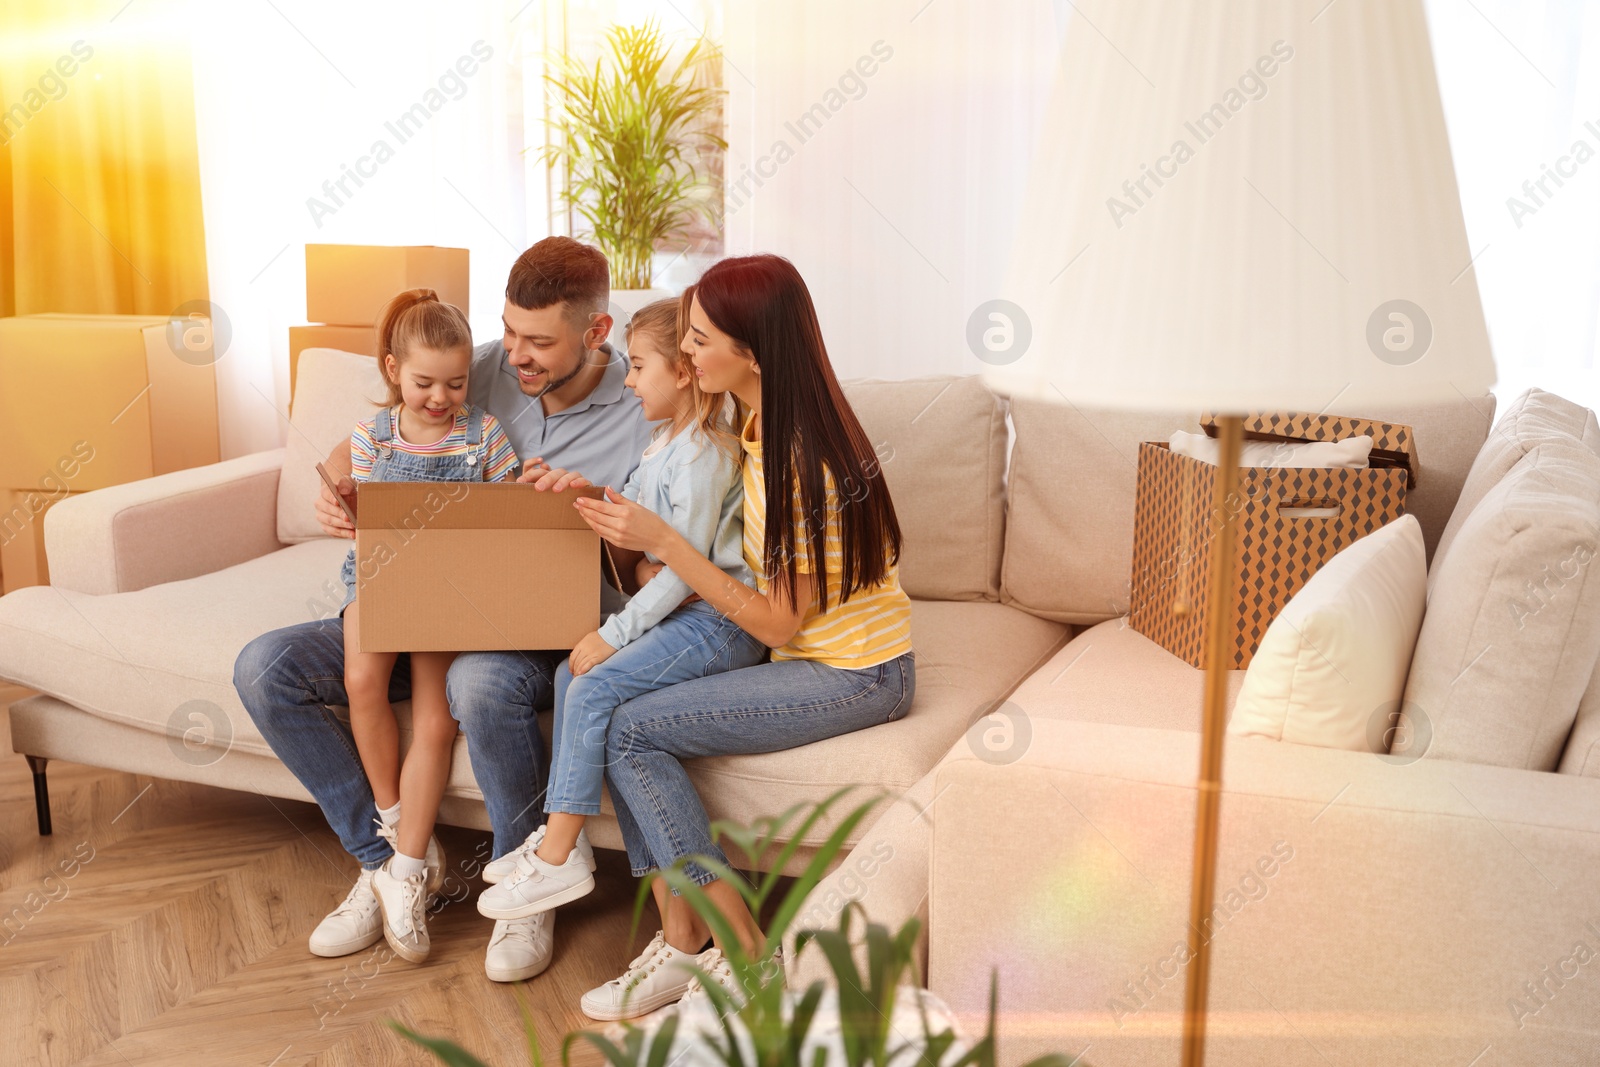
{"x":392,"y":465}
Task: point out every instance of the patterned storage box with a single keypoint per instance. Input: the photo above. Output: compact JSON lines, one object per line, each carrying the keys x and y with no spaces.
{"x":1291,"y":521}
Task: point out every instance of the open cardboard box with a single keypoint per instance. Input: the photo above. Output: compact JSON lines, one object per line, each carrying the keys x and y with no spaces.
{"x":469,"y":566}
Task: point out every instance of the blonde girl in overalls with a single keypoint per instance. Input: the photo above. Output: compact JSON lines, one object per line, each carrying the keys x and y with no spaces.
{"x":426,"y":432}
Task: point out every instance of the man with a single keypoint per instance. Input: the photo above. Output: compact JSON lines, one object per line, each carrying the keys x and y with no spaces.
{"x":556,"y":388}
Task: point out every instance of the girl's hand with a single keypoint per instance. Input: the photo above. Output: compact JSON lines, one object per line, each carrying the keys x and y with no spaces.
{"x":330,"y":516}
{"x":589,"y":653}
{"x":624,"y":523}
{"x":647,"y":570}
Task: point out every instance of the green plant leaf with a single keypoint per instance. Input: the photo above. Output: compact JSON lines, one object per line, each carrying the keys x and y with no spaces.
{"x":817,"y":868}
{"x":628,"y":133}
{"x":535,"y":1055}
{"x":624,"y":1055}
{"x":661,"y":1044}
{"x":448,"y":1052}
{"x":777,"y":1027}
{"x":805,"y":1011}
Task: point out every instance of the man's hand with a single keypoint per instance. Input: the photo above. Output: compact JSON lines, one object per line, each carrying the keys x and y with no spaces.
{"x":533,"y":470}
{"x":589,"y":652}
{"x":330,"y":516}
{"x":547,"y":477}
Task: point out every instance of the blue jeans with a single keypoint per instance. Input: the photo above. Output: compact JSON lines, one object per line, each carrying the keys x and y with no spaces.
{"x":694,"y":641}
{"x":765,"y":708}
{"x":291,"y":679}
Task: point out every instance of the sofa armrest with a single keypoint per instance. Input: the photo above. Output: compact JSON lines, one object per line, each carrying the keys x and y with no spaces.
{"x":166,"y":528}
{"x":885,"y":875}
{"x":1391,"y":913}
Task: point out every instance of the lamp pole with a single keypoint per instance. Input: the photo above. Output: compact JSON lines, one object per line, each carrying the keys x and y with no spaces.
{"x":1219,"y":595}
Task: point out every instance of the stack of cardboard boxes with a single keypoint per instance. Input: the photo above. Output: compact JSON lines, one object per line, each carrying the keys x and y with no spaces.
{"x":89,"y":401}
{"x":347,"y":287}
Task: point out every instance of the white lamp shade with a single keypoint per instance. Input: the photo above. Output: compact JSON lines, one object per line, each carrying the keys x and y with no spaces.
{"x":1241,"y":205}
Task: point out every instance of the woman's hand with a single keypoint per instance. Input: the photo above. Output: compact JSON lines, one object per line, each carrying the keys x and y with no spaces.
{"x":625,"y":523}
{"x":589,"y":653}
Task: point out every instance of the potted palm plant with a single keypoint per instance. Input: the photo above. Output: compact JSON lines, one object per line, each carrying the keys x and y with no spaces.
{"x":875,"y":1016}
{"x":635,"y":135}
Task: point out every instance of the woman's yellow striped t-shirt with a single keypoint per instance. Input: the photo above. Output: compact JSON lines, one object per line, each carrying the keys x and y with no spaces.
{"x":872,"y":627}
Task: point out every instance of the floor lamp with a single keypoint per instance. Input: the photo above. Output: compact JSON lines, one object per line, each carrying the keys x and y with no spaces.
{"x":1238,"y":206}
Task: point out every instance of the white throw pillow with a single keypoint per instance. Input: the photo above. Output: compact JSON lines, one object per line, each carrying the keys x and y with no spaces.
{"x":333,"y":391}
{"x":1351,"y":452}
{"x":1513,"y":628}
{"x":1339,"y":651}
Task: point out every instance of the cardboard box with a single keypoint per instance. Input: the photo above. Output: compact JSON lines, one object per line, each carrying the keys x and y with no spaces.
{"x":104,"y":396}
{"x":348,"y":285}
{"x":22,"y":559}
{"x":465,"y":566}
{"x":362,"y":340}
{"x":1291,"y":520}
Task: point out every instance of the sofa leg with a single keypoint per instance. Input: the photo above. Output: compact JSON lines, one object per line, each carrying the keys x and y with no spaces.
{"x":41,"y":792}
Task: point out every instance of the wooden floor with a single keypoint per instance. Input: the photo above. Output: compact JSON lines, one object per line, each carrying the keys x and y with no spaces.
{"x":166,"y":923}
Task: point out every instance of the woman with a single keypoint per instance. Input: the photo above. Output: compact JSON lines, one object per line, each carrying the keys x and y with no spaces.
{"x":827,"y":601}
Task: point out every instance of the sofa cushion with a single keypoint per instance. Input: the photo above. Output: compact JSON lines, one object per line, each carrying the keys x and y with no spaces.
{"x":969,"y":655}
{"x":1113,"y":674}
{"x":333,"y":391}
{"x":1581,"y":755}
{"x":1069,"y":529}
{"x":942,"y":445}
{"x":1534,"y":417}
{"x":1512,"y":628}
{"x":1338,"y":652}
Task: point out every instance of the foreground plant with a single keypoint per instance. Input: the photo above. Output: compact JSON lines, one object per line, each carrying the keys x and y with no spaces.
{"x":859,"y":1022}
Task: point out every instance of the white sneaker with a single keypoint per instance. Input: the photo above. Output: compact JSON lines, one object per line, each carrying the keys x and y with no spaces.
{"x":432,"y":860}
{"x":719,"y":970}
{"x":520,"y":948}
{"x":497,"y":871}
{"x":353,"y":925}
{"x":656,"y":978}
{"x":403,"y":904}
{"x":537,"y":886}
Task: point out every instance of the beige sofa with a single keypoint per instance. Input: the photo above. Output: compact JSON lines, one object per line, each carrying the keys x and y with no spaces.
{"x":1439,"y":909}
{"x":157,"y":585}
{"x":1044,"y":776}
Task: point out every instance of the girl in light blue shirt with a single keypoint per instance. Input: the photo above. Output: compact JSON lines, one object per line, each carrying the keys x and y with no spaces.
{"x":690,"y":475}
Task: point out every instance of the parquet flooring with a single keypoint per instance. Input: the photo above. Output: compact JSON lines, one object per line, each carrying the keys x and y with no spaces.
{"x":166,"y":923}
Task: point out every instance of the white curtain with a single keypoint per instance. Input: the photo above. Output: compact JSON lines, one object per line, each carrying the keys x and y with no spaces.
{"x":291,"y":93}
{"x":1520,"y":83}
{"x":883,"y":146}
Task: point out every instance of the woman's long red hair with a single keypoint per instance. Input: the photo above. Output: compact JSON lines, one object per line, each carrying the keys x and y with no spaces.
{"x":807,"y":427}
